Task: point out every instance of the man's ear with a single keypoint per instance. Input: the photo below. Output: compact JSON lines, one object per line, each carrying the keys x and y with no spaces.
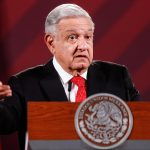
{"x":49,"y":40}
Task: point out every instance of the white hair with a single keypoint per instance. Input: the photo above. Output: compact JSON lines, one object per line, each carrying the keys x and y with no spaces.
{"x":61,"y":12}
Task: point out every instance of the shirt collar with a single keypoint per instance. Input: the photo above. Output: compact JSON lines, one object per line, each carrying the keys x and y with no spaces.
{"x":65,"y":76}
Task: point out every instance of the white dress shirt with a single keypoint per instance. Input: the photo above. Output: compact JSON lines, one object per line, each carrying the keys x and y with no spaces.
{"x":65,"y":78}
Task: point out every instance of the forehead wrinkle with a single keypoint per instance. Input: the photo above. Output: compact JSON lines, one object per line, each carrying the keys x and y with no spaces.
{"x":74,"y":27}
{"x":78,"y":31}
{"x":72,"y":30}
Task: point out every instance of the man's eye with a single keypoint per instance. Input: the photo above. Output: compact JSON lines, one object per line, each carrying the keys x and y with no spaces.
{"x":88,"y":37}
{"x":72,"y":37}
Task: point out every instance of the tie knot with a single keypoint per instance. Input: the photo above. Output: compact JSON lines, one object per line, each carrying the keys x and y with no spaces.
{"x":78,"y":80}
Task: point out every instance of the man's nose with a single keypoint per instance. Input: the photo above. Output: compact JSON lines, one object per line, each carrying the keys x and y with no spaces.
{"x":82,"y":44}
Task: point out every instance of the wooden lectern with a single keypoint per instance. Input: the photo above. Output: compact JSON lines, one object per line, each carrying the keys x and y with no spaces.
{"x":55,"y":120}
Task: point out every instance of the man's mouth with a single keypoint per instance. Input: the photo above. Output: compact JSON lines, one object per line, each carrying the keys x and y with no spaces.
{"x":80,"y":56}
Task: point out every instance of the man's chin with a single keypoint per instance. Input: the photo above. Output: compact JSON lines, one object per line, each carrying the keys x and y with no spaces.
{"x":80,"y":66}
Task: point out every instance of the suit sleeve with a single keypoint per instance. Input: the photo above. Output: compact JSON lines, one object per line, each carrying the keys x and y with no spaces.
{"x":11,"y":109}
{"x":131,"y":92}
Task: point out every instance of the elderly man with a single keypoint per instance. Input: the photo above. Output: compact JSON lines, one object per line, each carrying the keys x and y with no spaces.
{"x":72,"y":72}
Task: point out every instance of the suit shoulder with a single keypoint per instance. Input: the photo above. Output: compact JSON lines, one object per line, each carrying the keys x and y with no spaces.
{"x":32,"y":71}
{"x":107,"y":64}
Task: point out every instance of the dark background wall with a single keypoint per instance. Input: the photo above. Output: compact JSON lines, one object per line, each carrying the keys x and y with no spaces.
{"x":122,"y":35}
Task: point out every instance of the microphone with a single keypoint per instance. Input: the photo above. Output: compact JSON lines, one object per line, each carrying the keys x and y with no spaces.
{"x":69,"y":88}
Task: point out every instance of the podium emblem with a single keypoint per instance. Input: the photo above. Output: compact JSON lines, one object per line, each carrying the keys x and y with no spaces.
{"x":103,"y":121}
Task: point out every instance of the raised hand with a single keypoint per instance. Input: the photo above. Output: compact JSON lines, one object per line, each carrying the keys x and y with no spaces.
{"x":5,"y":91}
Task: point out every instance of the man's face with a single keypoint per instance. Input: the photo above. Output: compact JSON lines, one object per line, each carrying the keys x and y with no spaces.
{"x":73,"y":44}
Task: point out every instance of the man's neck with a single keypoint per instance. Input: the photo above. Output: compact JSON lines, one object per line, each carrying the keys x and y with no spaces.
{"x":63,"y":73}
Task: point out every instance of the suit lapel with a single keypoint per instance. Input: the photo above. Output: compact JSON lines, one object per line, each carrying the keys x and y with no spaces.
{"x":96,"y":80}
{"x":54,"y":90}
{"x":51,"y":84}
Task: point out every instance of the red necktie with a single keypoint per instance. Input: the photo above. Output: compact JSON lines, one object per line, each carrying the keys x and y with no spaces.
{"x":81,"y":93}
